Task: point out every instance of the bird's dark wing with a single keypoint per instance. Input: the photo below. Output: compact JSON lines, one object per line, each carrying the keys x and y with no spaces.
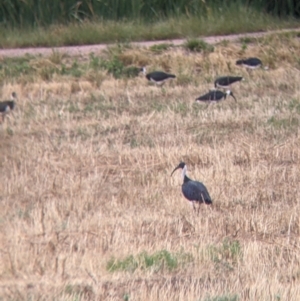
{"x":3,"y":106}
{"x":227,"y":80}
{"x":196,"y":191}
{"x":158,"y":75}
{"x":254,"y":60}
{"x":213,"y":95}
{"x":206,"y":97}
{"x":220,"y":81}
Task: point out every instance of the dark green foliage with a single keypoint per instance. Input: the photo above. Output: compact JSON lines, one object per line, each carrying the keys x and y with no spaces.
{"x":279,"y":7}
{"x":113,"y":66}
{"x":43,"y":12}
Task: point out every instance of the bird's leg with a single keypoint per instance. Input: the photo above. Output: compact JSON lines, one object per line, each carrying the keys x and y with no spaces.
{"x":197,"y":210}
{"x":161,"y":83}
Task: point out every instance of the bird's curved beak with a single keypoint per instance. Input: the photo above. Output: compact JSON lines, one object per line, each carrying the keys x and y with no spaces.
{"x":175,"y":170}
{"x":233,"y":96}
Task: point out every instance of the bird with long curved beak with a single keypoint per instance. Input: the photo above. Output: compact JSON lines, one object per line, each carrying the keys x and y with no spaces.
{"x":193,"y":191}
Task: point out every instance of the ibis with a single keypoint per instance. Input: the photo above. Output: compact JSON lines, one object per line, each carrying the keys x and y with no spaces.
{"x":7,"y":105}
{"x":215,"y":96}
{"x":250,"y":63}
{"x":193,"y":191}
{"x":158,"y":77}
{"x":224,"y":82}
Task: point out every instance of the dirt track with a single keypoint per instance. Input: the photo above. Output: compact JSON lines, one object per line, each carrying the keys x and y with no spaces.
{"x":86,"y":49}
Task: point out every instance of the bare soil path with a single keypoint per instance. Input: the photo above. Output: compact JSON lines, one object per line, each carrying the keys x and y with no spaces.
{"x":86,"y":49}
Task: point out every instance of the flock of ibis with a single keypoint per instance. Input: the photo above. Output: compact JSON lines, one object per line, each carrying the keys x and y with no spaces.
{"x":223,"y":82}
{"x":194,"y":191}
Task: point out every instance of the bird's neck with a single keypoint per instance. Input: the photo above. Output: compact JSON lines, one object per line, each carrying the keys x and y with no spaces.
{"x":186,"y":179}
{"x":184,"y":169}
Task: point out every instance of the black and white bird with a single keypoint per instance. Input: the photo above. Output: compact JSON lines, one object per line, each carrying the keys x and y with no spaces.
{"x":215,"y":96}
{"x":194,"y":191}
{"x":7,"y":105}
{"x":224,"y":82}
{"x":250,"y":63}
{"x":158,"y":77}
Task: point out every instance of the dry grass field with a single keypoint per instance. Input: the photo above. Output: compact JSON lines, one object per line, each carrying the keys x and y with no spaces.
{"x":88,"y":208}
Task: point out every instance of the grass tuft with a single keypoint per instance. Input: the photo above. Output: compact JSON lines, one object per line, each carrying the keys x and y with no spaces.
{"x":227,"y":255}
{"x":159,"y":261}
{"x":223,"y":298}
{"x":159,"y":48}
{"x":197,"y":45}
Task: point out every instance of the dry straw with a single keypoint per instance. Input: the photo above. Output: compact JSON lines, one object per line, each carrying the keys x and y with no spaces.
{"x":85,"y":178}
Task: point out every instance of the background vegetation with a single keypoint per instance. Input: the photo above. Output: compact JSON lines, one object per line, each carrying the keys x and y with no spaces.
{"x":88,"y":208}
{"x":56,"y":23}
{"x":42,"y":13}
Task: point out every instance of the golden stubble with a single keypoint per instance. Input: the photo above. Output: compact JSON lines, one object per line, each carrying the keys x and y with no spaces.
{"x":85,"y":177}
